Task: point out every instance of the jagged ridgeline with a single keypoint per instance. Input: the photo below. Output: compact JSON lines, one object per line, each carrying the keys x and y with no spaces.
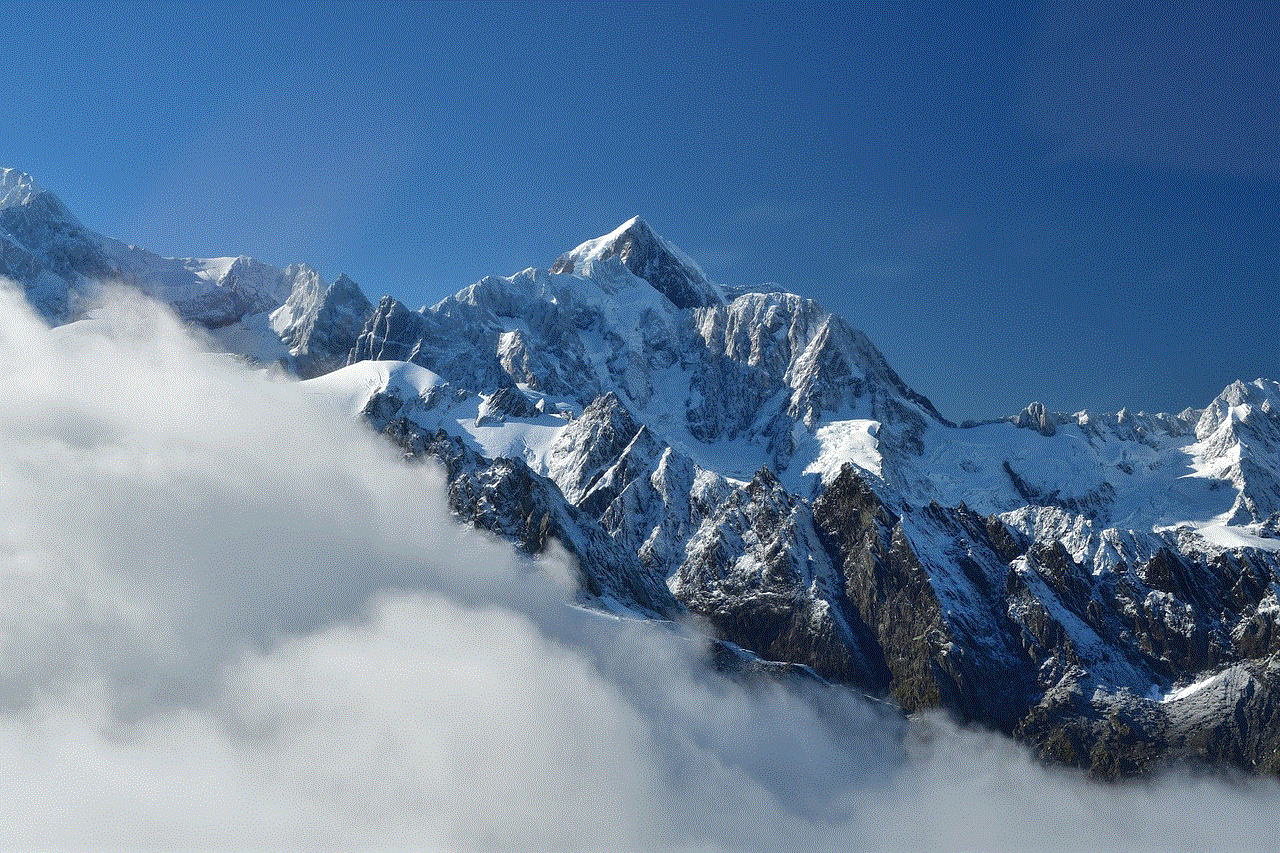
{"x":1105,"y":587}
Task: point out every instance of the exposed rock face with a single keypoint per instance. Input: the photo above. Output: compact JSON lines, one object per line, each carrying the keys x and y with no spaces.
{"x":787,"y":361}
{"x":1036,"y":417}
{"x":757,"y":572}
{"x":460,"y":341}
{"x":1230,"y":722}
{"x":585,"y":455}
{"x":936,"y":616}
{"x":46,"y":248}
{"x":506,"y":402}
{"x":1244,"y":420}
{"x":505,"y":497}
{"x":318,"y":323}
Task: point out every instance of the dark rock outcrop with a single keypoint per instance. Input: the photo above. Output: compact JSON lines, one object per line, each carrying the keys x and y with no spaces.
{"x":506,"y":498}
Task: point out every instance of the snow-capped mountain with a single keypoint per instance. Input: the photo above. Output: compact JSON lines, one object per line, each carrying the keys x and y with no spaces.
{"x":63,"y":268}
{"x":1038,"y":573}
{"x":1103,"y":586}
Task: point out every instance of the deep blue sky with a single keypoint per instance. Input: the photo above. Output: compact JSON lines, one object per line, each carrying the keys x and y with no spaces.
{"x":1016,"y":202}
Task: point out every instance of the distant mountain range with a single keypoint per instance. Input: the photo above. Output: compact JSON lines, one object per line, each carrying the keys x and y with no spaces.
{"x":1104,"y":587}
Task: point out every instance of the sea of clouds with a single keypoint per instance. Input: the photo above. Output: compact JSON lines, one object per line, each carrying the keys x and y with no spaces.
{"x":230,"y":619}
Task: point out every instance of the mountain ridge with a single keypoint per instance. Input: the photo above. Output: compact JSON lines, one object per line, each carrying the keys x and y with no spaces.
{"x":748,"y":460}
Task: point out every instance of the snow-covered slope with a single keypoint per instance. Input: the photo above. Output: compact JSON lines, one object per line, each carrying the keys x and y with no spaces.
{"x":63,"y":268}
{"x":45,"y":248}
{"x":319,"y":323}
{"x":733,"y":385}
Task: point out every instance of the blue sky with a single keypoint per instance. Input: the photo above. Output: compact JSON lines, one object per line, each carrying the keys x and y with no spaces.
{"x":1017,"y":202}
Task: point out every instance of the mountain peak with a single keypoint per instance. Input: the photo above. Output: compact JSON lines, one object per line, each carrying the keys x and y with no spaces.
{"x":19,"y":190}
{"x":647,"y":256}
{"x":635,"y":225}
{"x":17,"y":187}
{"x":635,"y":231}
{"x":1035,"y":416}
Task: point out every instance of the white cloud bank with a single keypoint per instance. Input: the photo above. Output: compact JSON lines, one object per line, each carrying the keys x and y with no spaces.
{"x":228,"y":621}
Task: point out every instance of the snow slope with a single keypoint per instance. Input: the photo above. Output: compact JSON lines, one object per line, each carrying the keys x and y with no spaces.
{"x":64,"y":268}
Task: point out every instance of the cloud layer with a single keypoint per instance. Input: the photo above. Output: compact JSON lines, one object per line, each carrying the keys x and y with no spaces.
{"x":228,"y":620}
